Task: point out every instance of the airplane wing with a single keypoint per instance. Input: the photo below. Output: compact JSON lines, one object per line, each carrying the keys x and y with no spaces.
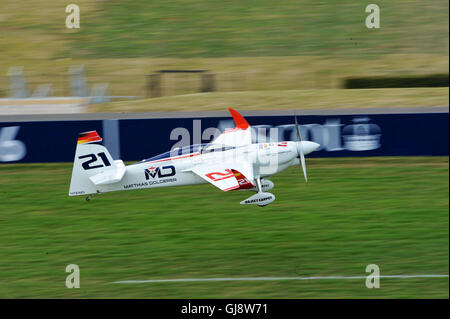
{"x":233,"y":174}
{"x":226,"y":176}
{"x":238,"y":136}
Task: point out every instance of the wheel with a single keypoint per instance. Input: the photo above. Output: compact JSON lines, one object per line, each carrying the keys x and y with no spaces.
{"x":88,"y":198}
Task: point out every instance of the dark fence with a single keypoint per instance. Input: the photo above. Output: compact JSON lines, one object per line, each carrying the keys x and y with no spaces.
{"x":340,"y":135}
{"x":432,"y":80}
{"x":154,"y":86}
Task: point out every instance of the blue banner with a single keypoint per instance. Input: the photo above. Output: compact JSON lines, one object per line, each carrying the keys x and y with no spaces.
{"x":424,"y":134}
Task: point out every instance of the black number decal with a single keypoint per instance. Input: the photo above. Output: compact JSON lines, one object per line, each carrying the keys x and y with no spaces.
{"x":104,"y":159}
{"x":92,"y":158}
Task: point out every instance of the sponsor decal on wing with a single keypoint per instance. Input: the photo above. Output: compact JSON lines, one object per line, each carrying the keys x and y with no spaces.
{"x":243,"y":182}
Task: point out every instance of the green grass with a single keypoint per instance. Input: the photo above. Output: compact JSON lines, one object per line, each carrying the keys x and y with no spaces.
{"x":249,"y":45}
{"x":389,"y":211}
{"x":284,"y":99}
{"x":127,"y":76}
{"x":214,"y":28}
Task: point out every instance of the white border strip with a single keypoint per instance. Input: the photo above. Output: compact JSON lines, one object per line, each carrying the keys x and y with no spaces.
{"x":274,"y":278}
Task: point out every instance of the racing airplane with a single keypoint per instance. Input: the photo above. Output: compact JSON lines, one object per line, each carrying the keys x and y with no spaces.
{"x":230,"y":162}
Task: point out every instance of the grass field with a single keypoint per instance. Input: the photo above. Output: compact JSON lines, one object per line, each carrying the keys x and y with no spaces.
{"x":250,"y":46}
{"x":127,"y":76}
{"x":393,"y":212}
{"x":284,"y":99}
{"x":212,"y":28}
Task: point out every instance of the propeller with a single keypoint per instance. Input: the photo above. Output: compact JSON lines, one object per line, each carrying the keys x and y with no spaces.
{"x":300,"y":149}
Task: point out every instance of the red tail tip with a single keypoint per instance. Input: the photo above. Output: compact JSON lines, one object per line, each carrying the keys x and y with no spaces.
{"x":86,"y":137}
{"x":240,"y":121}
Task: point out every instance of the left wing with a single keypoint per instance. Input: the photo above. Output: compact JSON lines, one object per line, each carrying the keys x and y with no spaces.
{"x":226,"y":176}
{"x":238,"y":136}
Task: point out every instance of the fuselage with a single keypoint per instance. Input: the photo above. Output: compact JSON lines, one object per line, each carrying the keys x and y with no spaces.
{"x":173,"y":168}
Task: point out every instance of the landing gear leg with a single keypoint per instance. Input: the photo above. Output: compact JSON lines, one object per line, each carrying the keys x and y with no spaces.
{"x":88,"y":198}
{"x":258,"y":184}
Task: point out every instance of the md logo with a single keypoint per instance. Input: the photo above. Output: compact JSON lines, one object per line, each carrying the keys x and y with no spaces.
{"x":164,"y":171}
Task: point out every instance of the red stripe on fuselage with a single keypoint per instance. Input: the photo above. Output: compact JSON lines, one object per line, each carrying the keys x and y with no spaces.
{"x":174,"y":158}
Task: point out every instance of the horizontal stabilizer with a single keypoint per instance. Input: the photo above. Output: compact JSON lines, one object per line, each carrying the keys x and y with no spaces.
{"x":111,"y":175}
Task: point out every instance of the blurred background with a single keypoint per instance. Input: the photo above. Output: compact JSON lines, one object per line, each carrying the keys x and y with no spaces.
{"x":384,"y":201}
{"x":176,"y":55}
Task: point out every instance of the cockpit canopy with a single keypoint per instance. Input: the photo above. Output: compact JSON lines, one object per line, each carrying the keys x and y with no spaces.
{"x":190,"y":149}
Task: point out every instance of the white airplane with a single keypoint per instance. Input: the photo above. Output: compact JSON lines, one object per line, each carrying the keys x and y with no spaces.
{"x":229,"y":162}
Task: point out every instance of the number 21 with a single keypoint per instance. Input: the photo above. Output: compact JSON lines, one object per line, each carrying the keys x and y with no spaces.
{"x":93,"y":158}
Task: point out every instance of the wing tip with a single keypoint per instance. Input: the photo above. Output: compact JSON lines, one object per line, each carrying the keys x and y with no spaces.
{"x":239,"y":120}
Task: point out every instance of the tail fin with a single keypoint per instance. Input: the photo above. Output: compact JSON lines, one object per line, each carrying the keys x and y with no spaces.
{"x":93,"y":166}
